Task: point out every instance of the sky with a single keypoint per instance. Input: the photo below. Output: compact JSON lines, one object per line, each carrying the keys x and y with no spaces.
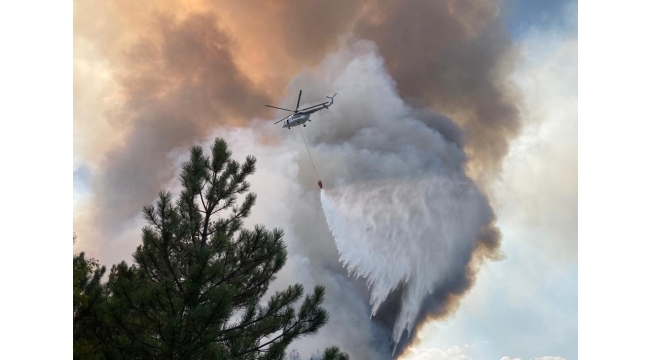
{"x":494,"y":83}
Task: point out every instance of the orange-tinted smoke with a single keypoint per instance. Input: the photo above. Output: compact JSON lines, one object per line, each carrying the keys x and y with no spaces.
{"x":176,"y":70}
{"x":154,"y":76}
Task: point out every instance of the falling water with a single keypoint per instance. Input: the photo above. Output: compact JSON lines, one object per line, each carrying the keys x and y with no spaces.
{"x":416,"y":233}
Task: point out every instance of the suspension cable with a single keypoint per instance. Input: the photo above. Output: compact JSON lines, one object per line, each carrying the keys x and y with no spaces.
{"x":308,"y":152}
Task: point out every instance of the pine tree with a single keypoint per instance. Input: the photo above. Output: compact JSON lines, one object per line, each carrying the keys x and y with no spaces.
{"x":331,"y":353}
{"x":195,"y":288}
{"x":88,"y":298}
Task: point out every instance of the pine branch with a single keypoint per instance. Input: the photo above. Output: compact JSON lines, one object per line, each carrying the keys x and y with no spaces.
{"x":194,"y":268}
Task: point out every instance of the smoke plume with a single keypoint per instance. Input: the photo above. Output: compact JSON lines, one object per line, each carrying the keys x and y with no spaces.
{"x":422,"y":111}
{"x":453,"y":56}
{"x":404,"y":216}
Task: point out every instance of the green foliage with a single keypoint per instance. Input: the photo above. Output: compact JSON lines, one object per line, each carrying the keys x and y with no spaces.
{"x":195,"y":287}
{"x":87,"y":298}
{"x":334,"y":353}
{"x":331,"y":353}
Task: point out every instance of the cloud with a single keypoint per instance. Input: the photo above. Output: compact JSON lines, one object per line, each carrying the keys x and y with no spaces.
{"x":537,"y":358}
{"x":453,"y":353}
{"x":465,"y":352}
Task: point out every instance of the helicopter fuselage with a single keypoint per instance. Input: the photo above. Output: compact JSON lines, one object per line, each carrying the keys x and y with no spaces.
{"x":296,"y":120}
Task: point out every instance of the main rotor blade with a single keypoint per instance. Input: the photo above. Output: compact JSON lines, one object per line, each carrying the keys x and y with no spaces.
{"x":275,"y":107}
{"x":298,"y":104}
{"x":281,"y":119}
{"x":307,"y":108}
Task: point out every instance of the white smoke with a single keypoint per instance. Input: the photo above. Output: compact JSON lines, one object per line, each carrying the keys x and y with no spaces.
{"x":413,"y":233}
{"x":397,"y":200}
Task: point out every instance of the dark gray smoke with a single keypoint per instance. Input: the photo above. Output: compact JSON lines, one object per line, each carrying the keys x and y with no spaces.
{"x":399,"y":210}
{"x":454,"y":56}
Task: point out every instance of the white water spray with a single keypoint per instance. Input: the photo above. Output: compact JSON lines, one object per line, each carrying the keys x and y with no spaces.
{"x":415,"y":233}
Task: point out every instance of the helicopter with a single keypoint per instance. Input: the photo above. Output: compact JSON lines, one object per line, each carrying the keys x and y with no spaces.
{"x":300,"y":117}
